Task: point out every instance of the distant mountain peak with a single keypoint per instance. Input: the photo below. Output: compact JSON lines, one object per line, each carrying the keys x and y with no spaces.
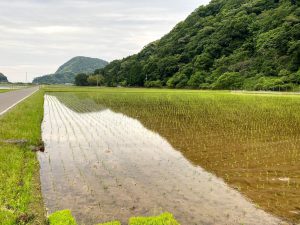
{"x":3,"y":78}
{"x":66,"y":73}
{"x":81,"y":64}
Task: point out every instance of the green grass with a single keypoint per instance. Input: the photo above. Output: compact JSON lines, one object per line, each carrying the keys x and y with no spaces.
{"x":63,"y":217}
{"x":163,"y":219}
{"x":20,"y":195}
{"x":4,"y":90}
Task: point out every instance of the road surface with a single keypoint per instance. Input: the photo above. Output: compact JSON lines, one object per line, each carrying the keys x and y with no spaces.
{"x":9,"y":99}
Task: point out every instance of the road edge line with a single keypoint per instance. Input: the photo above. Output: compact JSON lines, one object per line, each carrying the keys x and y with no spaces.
{"x":12,"y":106}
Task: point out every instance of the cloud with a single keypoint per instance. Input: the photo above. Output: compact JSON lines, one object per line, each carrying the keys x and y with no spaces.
{"x":46,"y":33}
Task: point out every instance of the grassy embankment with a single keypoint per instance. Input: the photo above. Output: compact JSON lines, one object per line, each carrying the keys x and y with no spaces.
{"x":4,"y":90}
{"x":65,"y":217}
{"x":20,"y":195}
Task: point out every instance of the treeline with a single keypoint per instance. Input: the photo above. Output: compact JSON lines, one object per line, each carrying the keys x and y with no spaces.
{"x":228,"y":44}
{"x":95,"y":79}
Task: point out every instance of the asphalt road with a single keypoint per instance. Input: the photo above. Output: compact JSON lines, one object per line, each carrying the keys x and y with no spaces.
{"x":9,"y":99}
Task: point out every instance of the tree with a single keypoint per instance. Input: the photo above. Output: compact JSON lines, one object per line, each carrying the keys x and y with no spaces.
{"x":229,"y":80}
{"x":179,"y":80}
{"x":81,"y":79}
{"x":155,"y":84}
{"x":204,"y":61}
{"x":95,"y":80}
{"x":196,"y":79}
{"x":293,"y":2}
{"x":245,"y":37}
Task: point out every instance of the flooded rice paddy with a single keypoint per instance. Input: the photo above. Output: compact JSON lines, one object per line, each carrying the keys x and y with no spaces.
{"x":112,"y":156}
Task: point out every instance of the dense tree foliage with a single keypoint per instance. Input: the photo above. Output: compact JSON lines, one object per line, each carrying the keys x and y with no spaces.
{"x":83,"y":79}
{"x":3,"y":78}
{"x":81,"y":64}
{"x":67,"y":72}
{"x":57,"y":78}
{"x":228,"y":44}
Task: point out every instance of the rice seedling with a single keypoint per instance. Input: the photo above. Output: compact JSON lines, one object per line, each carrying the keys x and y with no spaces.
{"x":163,"y":219}
{"x":106,"y":163}
{"x":119,"y":153}
{"x":63,"y":217}
{"x":251,"y":141}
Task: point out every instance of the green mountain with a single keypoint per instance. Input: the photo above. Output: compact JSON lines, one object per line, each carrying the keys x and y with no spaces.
{"x":81,"y":64}
{"x":3,"y":78}
{"x":67,"y":72}
{"x":228,"y":44}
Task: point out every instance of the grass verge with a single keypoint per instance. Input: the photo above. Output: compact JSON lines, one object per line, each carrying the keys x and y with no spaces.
{"x":4,"y":90}
{"x":65,"y":217}
{"x":20,"y":195}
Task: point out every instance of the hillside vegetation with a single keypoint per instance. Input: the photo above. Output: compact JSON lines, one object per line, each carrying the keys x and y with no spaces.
{"x":67,"y":72}
{"x":3,"y":78}
{"x":228,"y":44}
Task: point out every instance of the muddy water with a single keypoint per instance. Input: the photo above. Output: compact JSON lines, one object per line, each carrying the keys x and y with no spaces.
{"x":104,"y":166}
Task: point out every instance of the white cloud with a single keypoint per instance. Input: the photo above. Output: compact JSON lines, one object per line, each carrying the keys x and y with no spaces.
{"x":46,"y":33}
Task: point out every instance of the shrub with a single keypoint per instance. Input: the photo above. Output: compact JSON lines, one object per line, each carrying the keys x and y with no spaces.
{"x":205,"y":86}
{"x":163,"y":219}
{"x":123,"y":83}
{"x":153,"y":83}
{"x":273,"y":84}
{"x":94,"y":80}
{"x":63,"y":217}
{"x":179,"y":80}
{"x":295,"y":77}
{"x":196,"y":79}
{"x":229,"y":80}
{"x":81,"y":79}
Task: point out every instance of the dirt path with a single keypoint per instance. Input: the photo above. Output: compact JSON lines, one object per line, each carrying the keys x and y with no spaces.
{"x":9,"y":99}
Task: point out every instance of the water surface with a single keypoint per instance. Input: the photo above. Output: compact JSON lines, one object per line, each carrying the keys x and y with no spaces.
{"x":105,"y":165}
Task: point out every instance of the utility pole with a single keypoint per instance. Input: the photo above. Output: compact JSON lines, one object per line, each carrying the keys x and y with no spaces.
{"x":26,"y":77}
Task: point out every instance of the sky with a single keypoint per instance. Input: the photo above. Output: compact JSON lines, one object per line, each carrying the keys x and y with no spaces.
{"x":37,"y":36}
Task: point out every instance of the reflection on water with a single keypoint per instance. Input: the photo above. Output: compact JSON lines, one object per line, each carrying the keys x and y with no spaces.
{"x":104,"y":166}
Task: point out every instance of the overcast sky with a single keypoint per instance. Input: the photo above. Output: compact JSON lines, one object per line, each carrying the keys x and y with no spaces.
{"x":37,"y":36}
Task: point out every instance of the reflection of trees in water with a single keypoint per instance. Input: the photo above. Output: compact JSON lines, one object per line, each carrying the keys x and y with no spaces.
{"x":79,"y":102}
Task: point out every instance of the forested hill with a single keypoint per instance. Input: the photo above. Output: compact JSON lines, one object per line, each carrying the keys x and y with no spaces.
{"x":67,"y":72}
{"x":3,"y":78}
{"x":81,"y":64}
{"x":228,"y":44}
